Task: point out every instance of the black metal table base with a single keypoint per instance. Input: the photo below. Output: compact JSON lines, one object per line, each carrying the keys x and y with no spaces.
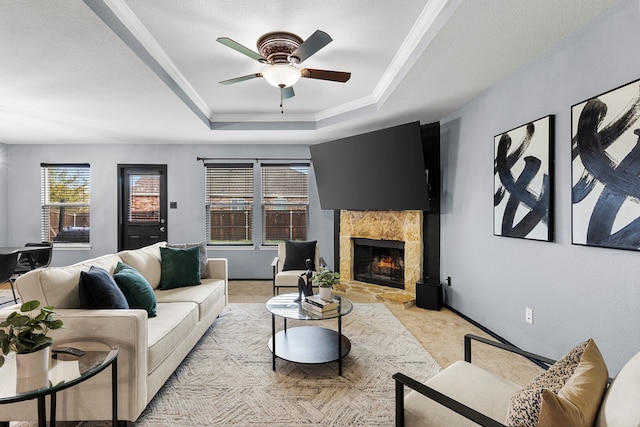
{"x":42,"y":411}
{"x":310,"y":344}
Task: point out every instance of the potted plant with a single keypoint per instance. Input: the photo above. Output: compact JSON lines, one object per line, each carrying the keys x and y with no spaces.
{"x":325,"y":279}
{"x":26,"y":334}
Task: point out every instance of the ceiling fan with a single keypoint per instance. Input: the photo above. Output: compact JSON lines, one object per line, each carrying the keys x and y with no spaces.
{"x":282,"y":51}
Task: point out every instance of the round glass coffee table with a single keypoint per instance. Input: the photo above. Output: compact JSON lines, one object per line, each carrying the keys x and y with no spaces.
{"x":65,"y":370}
{"x":307,"y":344}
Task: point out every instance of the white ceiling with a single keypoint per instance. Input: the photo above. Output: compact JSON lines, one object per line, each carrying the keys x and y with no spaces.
{"x":147,"y":71}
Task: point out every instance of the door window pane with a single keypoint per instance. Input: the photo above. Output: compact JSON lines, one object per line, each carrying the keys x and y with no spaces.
{"x":144,"y":198}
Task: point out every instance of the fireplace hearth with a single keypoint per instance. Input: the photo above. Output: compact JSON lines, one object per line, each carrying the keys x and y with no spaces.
{"x":379,"y":262}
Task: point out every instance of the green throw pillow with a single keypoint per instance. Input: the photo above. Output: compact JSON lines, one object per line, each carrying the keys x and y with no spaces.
{"x":136,"y":288}
{"x":180,"y":267}
{"x":204,"y":262}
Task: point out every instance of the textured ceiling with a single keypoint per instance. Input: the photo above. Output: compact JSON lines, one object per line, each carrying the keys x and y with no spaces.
{"x":146,"y":71}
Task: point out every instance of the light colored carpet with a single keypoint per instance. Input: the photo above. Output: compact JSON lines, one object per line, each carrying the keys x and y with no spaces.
{"x":227,"y":380}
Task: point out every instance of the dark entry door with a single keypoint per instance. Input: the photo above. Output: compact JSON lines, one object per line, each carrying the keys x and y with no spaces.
{"x":142,"y":201}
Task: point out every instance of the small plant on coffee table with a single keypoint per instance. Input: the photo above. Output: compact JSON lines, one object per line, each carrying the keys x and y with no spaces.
{"x":325,"y":278}
{"x":26,"y":333}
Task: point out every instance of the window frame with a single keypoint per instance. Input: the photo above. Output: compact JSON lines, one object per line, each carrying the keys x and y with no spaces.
{"x":234,"y":206}
{"x":84,"y":172}
{"x":257,"y":223}
{"x":280,"y":204}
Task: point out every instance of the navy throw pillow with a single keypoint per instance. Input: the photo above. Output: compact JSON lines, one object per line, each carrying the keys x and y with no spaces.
{"x":97,"y":289}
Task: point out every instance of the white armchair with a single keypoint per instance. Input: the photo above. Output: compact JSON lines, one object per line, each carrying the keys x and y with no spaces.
{"x":290,"y":263}
{"x":466,"y":395}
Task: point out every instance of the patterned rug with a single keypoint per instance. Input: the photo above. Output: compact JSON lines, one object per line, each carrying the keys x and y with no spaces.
{"x":6,"y":298}
{"x":227,"y":380}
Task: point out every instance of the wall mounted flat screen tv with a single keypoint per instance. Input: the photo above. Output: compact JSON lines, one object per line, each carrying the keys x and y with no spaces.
{"x":380,"y":170}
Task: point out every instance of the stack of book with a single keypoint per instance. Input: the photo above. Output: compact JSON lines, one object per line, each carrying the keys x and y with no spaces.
{"x":315,"y":304}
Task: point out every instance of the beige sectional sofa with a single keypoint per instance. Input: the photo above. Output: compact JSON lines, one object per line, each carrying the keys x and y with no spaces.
{"x":151,"y":348}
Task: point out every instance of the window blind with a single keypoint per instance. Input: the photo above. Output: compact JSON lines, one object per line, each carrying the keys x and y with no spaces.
{"x":65,"y":196}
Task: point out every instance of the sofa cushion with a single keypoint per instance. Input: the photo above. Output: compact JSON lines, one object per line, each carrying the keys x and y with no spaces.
{"x":167,"y":330}
{"x":97,"y":289}
{"x":577,"y":402}
{"x":207,"y":295}
{"x":297,"y":253}
{"x":460,"y":381}
{"x":58,"y":286}
{"x":289,"y":277}
{"x":202,"y":246}
{"x":135,"y":288}
{"x":620,"y":403}
{"x":146,"y":260}
{"x":179,"y":267}
{"x":524,"y":407}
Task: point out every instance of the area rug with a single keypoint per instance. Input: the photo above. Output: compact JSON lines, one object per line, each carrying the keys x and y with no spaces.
{"x":227,"y":380}
{"x":6,"y":298}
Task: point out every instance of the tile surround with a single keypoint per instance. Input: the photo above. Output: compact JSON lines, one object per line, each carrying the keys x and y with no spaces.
{"x":404,"y":226}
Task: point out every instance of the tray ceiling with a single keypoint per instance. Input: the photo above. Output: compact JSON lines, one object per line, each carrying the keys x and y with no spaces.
{"x":148,"y":70}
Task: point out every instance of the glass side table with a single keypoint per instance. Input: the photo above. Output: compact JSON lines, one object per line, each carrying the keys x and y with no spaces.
{"x":65,"y":370}
{"x":307,"y":344}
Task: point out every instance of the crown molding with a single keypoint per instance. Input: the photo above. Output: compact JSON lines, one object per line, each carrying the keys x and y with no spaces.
{"x":126,"y":25}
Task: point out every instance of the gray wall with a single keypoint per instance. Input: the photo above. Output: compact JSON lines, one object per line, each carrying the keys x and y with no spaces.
{"x":576,"y":292}
{"x":4,"y":205}
{"x":20,"y":176}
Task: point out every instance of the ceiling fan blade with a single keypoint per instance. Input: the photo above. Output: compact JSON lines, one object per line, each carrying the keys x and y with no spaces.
{"x":240,"y":48}
{"x":240,"y":79}
{"x":334,"y":76}
{"x":314,"y":43}
{"x":287,"y":92}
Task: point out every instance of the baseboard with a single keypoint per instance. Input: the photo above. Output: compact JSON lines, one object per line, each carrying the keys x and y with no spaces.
{"x":491,"y":333}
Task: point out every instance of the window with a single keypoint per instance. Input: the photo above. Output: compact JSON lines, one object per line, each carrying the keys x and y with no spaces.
{"x":65,"y":202}
{"x":229,"y":203}
{"x":144,"y":198}
{"x":285,"y":202}
{"x":232,"y":197}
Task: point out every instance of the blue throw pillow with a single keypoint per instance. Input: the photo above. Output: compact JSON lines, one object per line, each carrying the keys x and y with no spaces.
{"x":180,"y":267}
{"x":97,"y":289}
{"x":136,"y":288}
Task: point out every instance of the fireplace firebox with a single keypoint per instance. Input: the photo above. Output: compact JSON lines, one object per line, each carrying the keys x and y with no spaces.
{"x":379,"y":262}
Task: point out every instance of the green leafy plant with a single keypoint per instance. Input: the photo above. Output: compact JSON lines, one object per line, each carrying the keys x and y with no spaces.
{"x":325,"y":278}
{"x":26,"y":333}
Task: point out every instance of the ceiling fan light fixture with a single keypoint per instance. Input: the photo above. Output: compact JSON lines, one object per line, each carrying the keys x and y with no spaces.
{"x":281,"y":75}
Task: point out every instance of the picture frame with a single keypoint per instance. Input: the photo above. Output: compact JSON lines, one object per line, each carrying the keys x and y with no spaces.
{"x":523,"y":169}
{"x":605,"y":169}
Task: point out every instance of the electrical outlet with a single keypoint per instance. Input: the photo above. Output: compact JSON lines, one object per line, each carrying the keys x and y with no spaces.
{"x":528,"y":315}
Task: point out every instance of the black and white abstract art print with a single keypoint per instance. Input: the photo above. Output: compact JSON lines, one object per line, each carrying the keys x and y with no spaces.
{"x":523,"y":181}
{"x":605,"y":169}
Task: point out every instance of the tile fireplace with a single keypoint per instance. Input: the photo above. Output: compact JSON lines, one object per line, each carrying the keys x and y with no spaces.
{"x":404,"y":228}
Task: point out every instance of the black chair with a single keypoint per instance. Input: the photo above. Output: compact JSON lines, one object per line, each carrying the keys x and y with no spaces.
{"x":8,"y":264}
{"x":34,"y":259}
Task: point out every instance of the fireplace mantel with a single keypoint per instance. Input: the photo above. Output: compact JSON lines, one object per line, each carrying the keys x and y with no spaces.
{"x":404,"y":226}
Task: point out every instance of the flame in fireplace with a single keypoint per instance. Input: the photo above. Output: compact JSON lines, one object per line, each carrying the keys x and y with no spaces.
{"x":384,"y":264}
